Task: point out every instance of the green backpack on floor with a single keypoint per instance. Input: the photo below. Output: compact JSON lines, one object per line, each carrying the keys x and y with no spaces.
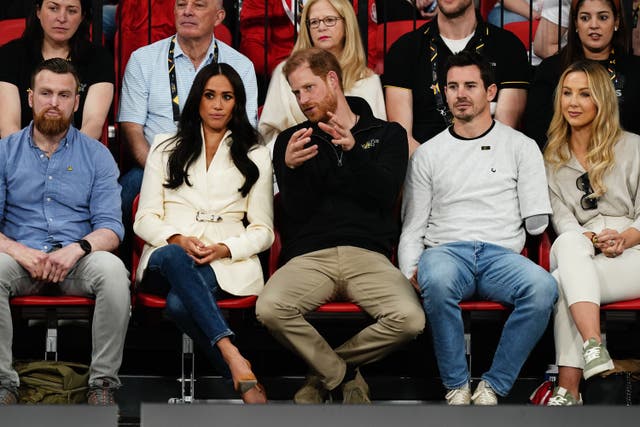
{"x":52,"y":382}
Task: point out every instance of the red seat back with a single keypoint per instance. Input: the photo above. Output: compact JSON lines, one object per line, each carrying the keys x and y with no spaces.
{"x":485,"y":7}
{"x":387,"y":33}
{"x":521,"y":30}
{"x":11,"y":29}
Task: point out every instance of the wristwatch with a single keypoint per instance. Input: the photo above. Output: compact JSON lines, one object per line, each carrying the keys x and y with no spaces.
{"x":85,"y":245}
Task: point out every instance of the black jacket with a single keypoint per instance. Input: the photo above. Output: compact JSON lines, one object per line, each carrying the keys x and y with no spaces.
{"x":326,"y":205}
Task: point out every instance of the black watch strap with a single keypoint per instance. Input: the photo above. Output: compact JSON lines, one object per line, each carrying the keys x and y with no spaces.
{"x":85,"y":245}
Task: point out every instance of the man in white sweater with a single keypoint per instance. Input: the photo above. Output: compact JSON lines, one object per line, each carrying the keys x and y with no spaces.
{"x":469,"y":194}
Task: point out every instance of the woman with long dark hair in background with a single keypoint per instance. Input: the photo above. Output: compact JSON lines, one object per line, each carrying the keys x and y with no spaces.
{"x":200,"y":187}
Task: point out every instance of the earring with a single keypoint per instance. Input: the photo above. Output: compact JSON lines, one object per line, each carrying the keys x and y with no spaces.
{"x":615,"y":28}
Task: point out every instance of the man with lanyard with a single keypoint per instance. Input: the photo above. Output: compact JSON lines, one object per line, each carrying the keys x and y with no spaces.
{"x":158,"y":78}
{"x":340,"y":175}
{"x":414,"y":67}
{"x":59,"y":220}
{"x":469,"y":194}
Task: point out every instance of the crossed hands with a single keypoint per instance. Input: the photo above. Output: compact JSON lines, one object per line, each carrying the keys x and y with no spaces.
{"x":51,"y":267}
{"x":198,"y":251}
{"x":296,"y":153}
{"x":610,"y":242}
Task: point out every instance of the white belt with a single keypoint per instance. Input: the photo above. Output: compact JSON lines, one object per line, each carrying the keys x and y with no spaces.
{"x":202,"y":216}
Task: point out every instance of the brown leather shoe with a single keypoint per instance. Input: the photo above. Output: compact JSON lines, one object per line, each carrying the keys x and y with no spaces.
{"x":312,"y":392}
{"x":356,"y":391}
{"x":8,"y":396}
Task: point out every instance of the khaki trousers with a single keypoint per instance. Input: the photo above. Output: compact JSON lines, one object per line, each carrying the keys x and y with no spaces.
{"x":346,"y":273}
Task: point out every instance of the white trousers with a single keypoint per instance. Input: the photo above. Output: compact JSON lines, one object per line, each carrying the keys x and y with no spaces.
{"x":585,"y":277}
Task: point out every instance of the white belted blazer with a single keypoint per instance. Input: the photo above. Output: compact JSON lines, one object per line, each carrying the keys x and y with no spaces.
{"x":163,"y":212}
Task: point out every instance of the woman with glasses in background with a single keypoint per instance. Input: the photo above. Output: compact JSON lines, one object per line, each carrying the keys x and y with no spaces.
{"x":330,"y":25}
{"x":593,"y":169}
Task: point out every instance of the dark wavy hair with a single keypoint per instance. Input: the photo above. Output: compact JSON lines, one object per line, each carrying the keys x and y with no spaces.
{"x":79,"y":42}
{"x":573,"y":51}
{"x":188,"y":139}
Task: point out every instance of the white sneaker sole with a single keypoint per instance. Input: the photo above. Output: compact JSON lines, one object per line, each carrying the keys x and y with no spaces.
{"x":597,"y":369}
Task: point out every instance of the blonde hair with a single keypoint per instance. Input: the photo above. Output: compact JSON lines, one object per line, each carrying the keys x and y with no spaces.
{"x":352,"y":59}
{"x":605,"y":127}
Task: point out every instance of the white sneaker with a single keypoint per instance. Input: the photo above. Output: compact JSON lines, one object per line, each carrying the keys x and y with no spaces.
{"x":459,"y":396}
{"x":484,"y":395}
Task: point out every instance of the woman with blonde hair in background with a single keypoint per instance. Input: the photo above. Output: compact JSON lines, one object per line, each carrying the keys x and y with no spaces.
{"x":330,"y":25}
{"x":593,"y":169}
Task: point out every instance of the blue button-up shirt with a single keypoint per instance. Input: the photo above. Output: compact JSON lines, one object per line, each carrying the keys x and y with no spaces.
{"x":52,"y":202}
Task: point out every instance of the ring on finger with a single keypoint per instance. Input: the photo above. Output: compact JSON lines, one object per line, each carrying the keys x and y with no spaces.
{"x":611,"y":242}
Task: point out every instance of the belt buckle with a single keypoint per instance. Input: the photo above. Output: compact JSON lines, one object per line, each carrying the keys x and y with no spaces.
{"x":207,"y":217}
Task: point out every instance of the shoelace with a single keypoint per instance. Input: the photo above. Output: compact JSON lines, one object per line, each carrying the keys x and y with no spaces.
{"x":485,"y":396}
{"x":591,"y":354}
{"x":102,"y":397}
{"x":558,"y":401}
{"x":457,"y":394}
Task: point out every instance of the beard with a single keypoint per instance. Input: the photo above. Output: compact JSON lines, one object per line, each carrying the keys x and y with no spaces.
{"x":51,"y":126}
{"x":469,"y":113}
{"x":328,"y":103}
{"x":457,"y":12}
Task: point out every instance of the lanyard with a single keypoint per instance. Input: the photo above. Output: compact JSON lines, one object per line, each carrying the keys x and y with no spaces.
{"x":294,"y":12}
{"x":618,"y":81}
{"x":441,"y":105}
{"x":173,"y":83}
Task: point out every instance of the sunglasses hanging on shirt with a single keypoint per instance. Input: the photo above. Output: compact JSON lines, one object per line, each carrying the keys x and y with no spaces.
{"x":587,"y":201}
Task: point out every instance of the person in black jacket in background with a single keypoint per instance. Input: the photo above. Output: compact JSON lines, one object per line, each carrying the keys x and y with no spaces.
{"x":339,"y":175}
{"x":597,"y":32}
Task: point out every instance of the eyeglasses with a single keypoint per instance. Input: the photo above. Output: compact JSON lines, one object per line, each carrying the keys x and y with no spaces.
{"x":583,"y":184}
{"x":329,"y":21}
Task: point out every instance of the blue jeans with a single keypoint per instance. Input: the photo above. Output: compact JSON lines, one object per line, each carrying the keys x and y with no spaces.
{"x":458,"y":271}
{"x":109,"y":21}
{"x":191,"y":301}
{"x":509,"y":16}
{"x":130,"y":183}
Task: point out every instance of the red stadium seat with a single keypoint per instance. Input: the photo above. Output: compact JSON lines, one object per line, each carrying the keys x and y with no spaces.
{"x":11,"y":29}
{"x":521,"y":30}
{"x":486,"y":6}
{"x":386,"y":34}
{"x":51,"y":309}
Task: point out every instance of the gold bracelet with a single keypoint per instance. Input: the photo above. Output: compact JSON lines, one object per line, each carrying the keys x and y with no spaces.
{"x":594,"y":239}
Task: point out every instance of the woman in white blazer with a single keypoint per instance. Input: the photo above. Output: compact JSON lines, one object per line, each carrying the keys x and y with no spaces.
{"x":593,"y":169}
{"x":198,"y":187}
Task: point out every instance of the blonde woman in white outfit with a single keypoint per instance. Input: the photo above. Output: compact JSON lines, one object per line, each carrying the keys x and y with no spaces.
{"x":593,"y":169}
{"x":330,"y":25}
